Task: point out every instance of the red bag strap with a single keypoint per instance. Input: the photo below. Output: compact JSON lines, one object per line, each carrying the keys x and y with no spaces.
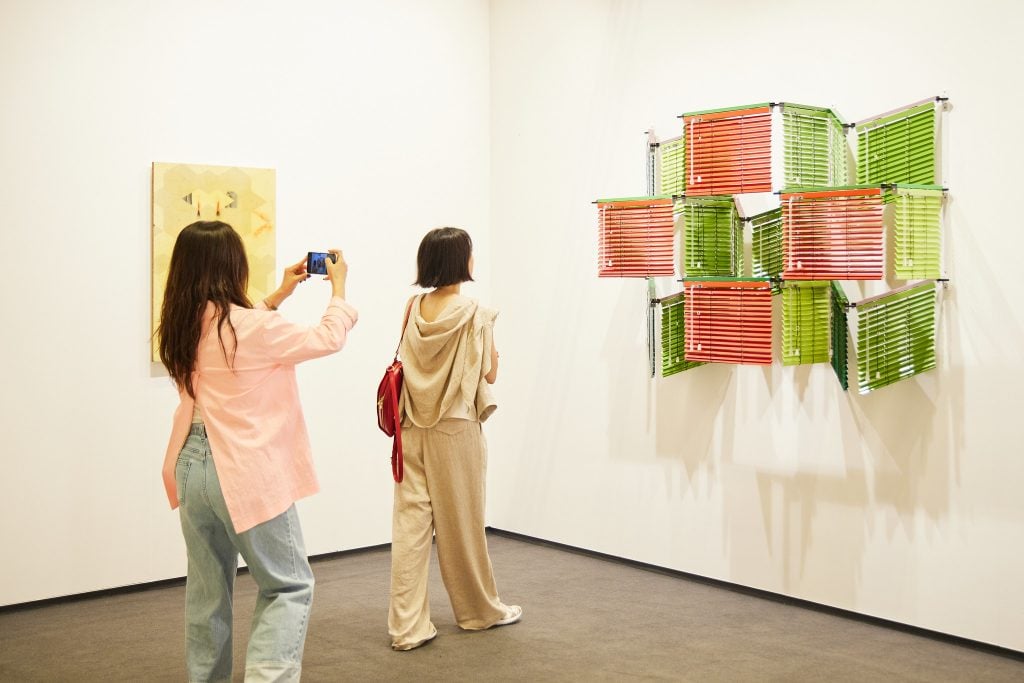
{"x":397,"y":457}
{"x":397,"y":460}
{"x":405,"y":324}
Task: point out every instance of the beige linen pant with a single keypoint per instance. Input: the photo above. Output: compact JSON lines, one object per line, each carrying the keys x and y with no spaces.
{"x":443,"y":492}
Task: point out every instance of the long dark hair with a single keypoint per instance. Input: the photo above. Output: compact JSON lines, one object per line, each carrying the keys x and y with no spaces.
{"x":208,"y":264}
{"x":443,"y":258}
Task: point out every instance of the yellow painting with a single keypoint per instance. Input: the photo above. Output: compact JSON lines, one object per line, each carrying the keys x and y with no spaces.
{"x":241,"y":197}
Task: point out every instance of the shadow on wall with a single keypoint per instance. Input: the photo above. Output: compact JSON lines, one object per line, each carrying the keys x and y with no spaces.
{"x":631,"y":401}
{"x":892,"y":457}
{"x":672,"y":412}
{"x":901,"y":447}
{"x":681,"y":432}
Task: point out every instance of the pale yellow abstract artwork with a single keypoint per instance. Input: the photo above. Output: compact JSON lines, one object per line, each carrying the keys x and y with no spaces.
{"x":240,"y":197}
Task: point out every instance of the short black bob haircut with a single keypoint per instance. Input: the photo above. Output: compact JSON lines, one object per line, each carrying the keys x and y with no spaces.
{"x":443,"y":258}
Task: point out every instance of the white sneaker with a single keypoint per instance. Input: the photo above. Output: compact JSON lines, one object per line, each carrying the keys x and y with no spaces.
{"x":514,"y":614}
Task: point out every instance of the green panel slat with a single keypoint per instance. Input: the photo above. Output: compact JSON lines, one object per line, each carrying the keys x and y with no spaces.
{"x":840,"y":335}
{"x":673,"y":339}
{"x":673,"y":166}
{"x":713,"y":237}
{"x":766,"y":246}
{"x":631,"y":199}
{"x":814,"y":148}
{"x":840,"y":151}
{"x":805,"y":322}
{"x":917,"y":233}
{"x":899,"y":148}
{"x":896,"y":337}
{"x":896,"y":116}
{"x":759,"y":105}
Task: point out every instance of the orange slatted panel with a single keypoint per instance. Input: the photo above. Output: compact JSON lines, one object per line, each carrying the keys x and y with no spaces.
{"x":728,"y":322}
{"x":837,"y":235}
{"x":729,"y":152}
{"x":635,"y":238}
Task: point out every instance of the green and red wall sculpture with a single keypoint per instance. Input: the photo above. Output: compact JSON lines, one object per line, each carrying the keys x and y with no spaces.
{"x":822,"y":231}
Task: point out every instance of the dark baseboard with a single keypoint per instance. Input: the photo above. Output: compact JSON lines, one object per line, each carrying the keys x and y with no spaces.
{"x":774,"y":597}
{"x":92,"y":595}
{"x":162,"y":583}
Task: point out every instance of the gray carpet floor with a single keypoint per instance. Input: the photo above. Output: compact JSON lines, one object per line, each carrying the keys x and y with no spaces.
{"x":585,"y":619}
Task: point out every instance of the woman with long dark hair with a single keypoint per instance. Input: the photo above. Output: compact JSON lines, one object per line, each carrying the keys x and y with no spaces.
{"x":449,"y":361}
{"x":239,"y":454}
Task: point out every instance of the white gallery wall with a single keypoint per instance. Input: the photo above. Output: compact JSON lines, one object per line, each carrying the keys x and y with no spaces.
{"x":508,"y":118}
{"x":903,"y":504}
{"x":375,"y":116}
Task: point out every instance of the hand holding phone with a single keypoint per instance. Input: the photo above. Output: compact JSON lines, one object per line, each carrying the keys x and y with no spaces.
{"x":316,"y":262}
{"x":337,"y":272}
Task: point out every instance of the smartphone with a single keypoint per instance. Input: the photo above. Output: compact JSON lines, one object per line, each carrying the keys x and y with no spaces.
{"x":316,"y":262}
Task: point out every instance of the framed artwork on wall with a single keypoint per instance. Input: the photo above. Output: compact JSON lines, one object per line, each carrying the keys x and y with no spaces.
{"x":244,"y":198}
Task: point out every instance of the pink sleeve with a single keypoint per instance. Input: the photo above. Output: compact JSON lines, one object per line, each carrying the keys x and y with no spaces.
{"x":290,"y":343}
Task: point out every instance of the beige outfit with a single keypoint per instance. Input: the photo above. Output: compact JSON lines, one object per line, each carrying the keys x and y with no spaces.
{"x":444,"y":400}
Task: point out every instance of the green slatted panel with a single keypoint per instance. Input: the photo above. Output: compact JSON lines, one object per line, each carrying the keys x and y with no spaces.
{"x":896,"y":336}
{"x":840,"y":335}
{"x":805,"y":322}
{"x":673,"y":166}
{"x":840,"y":150}
{"x":766,"y":246}
{"x":917,"y":233}
{"x":713,"y":237}
{"x":673,"y":338}
{"x":814,"y":147}
{"x":898,"y":148}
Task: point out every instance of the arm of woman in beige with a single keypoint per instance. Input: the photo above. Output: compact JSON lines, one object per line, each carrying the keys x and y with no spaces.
{"x":493,"y":374}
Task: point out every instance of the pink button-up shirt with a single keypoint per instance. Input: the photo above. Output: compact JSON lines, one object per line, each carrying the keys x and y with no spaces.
{"x":253,"y":417}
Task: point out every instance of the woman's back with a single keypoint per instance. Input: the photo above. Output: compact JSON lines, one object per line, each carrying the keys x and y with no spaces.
{"x":446,"y":353}
{"x":432,"y":305}
{"x":449,"y":363}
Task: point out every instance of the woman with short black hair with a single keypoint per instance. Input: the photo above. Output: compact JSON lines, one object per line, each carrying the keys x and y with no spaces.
{"x":449,"y":361}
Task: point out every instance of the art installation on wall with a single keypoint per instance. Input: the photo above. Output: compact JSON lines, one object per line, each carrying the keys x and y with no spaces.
{"x":806,"y":330}
{"x":900,"y":146}
{"x":728,"y":320}
{"x":713,"y":233}
{"x":821,"y":229}
{"x":241,"y":197}
{"x":728,"y":151}
{"x":895,"y":335}
{"x":636,"y":237}
{"x":814,"y":147}
{"x":840,"y":335}
{"x":837,"y":234}
{"x":673,"y":326}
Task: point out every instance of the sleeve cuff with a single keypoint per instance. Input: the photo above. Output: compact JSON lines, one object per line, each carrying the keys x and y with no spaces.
{"x":349,"y":314}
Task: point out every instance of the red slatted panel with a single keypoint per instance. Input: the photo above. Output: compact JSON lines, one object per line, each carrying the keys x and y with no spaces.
{"x":837,"y":235}
{"x":729,"y":152}
{"x":636,"y":238}
{"x":728,"y":322}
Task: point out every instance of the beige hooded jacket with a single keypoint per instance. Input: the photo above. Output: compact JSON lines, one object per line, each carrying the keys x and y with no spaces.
{"x":445,"y":362}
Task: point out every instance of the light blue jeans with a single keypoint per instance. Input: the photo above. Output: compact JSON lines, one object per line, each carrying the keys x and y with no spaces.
{"x":277,"y":561}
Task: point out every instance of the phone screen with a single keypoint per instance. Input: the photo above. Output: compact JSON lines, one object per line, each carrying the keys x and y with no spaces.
{"x":316,"y":263}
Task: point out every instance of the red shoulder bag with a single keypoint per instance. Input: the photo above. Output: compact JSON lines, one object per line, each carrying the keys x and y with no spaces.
{"x":388,"y":419}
